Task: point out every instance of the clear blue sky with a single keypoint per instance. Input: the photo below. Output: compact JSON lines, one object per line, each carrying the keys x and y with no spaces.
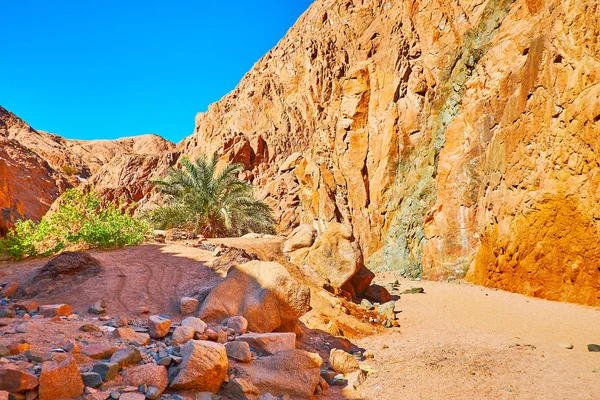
{"x":103,"y":69}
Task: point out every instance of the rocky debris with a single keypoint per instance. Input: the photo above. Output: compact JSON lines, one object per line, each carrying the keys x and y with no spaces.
{"x":69,"y":264}
{"x":200,"y":359}
{"x":180,"y":234}
{"x":197,"y":324}
{"x":231,"y":257}
{"x":182,"y":334}
{"x":264,"y":293}
{"x":342,"y":362}
{"x":301,"y":237}
{"x":151,"y":375}
{"x":158,"y":327}
{"x":60,"y":380}
{"x":15,"y":380}
{"x":91,"y":379}
{"x":188,"y":305}
{"x":98,"y":308}
{"x":239,"y":351}
{"x":9,"y":290}
{"x":270,"y":343}
{"x":54,"y":310}
{"x":124,"y":357}
{"x":97,"y":351}
{"x":295,"y":373}
{"x":131,"y":336}
{"x":238,"y":324}
{"x":29,"y":306}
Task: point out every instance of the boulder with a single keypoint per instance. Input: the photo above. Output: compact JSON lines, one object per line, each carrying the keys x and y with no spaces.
{"x":91,"y":379}
{"x":294,"y":373}
{"x":361,"y":281}
{"x":98,"y":308}
{"x":158,"y":327}
{"x":342,"y":362}
{"x":241,"y":389}
{"x":60,"y":380}
{"x":53,"y":310}
{"x":188,"y":305}
{"x":182,"y":334}
{"x":106,"y":370}
{"x":269,"y":343}
{"x":148,"y":374}
{"x":301,"y":237}
{"x":197,"y":324}
{"x":238,"y":323}
{"x":335,"y":255}
{"x":9,"y":289}
{"x":14,"y":380}
{"x":203,"y":368}
{"x":239,"y":351}
{"x":125,"y":357}
{"x":264,"y":293}
{"x":70,"y":263}
{"x":131,"y":336}
{"x":378,"y":294}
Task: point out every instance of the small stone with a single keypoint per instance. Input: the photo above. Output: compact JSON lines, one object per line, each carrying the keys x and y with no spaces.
{"x":414,"y":290}
{"x":238,"y":323}
{"x":143,"y":310}
{"x":99,"y":351}
{"x":98,"y":308}
{"x":4,"y":351}
{"x":125,"y":357}
{"x":593,"y":348}
{"x":26,"y":305}
{"x":9,"y":289}
{"x":132,"y":396}
{"x":128,"y":334}
{"x":567,"y":346}
{"x":366,"y":304}
{"x":238,"y":351}
{"x":90,"y":328}
{"x":339,"y":380}
{"x":53,"y":310}
{"x":7,"y":313}
{"x":188,"y":305}
{"x":115,"y":395}
{"x":342,"y":362}
{"x":158,"y":327}
{"x":356,"y":378}
{"x":18,"y":347}
{"x":91,"y":379}
{"x":153,"y":393}
{"x":212,"y":335}
{"x":182,"y":334}
{"x":106,"y":370}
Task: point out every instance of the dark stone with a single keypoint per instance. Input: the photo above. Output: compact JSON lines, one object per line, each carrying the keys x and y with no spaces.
{"x":106,"y":370}
{"x":91,"y":379}
{"x":594,"y":348}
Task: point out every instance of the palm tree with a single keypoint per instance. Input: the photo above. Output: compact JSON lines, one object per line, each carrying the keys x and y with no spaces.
{"x":212,"y":203}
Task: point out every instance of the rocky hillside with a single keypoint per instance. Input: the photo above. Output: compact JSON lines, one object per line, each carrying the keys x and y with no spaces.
{"x":37,"y":166}
{"x":452,"y":138}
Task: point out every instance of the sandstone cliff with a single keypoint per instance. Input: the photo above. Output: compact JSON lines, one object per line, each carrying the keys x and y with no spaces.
{"x":452,"y":137}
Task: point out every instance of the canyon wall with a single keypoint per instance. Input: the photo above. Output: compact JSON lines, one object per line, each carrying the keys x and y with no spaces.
{"x":456,"y":139}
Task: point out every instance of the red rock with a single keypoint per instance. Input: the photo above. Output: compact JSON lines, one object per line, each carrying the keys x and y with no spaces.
{"x":204,"y":367}
{"x":98,"y":351}
{"x":60,"y":380}
{"x":158,"y":327}
{"x":182,"y":334}
{"x":239,"y":351}
{"x":26,"y":305}
{"x":270,"y":343}
{"x":14,"y":380}
{"x":132,"y":336}
{"x":188,"y":305}
{"x":9,"y":289}
{"x":54,"y":310}
{"x":148,"y":374}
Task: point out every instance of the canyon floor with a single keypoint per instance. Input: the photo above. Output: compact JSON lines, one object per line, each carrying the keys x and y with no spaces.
{"x":456,"y":341}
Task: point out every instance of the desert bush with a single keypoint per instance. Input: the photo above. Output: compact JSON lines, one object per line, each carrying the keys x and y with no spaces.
{"x":68,"y":170}
{"x":82,"y":220}
{"x":209,"y":201}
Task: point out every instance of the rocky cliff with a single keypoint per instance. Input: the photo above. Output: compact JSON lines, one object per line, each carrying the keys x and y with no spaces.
{"x":454,"y":138}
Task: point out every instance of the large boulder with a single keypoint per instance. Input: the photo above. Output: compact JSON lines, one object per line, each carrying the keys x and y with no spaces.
{"x":295,"y":373}
{"x":147,"y":374}
{"x":70,"y":263}
{"x":204,"y":367}
{"x":264,"y":293}
{"x":301,"y":237}
{"x":334,"y":256}
{"x":60,"y":380}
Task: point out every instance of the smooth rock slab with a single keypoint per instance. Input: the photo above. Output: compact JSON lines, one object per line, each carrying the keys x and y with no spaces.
{"x":270,"y":343}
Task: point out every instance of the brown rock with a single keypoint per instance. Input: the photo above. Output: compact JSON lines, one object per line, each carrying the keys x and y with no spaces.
{"x":158,"y":327}
{"x":99,"y":351}
{"x":204,"y":367}
{"x":26,"y":305}
{"x":148,"y":374}
{"x":238,"y":323}
{"x":361,"y":281}
{"x":53,"y":310}
{"x":9,"y":289}
{"x":295,"y":373}
{"x":342,"y":362}
{"x":264,"y":293}
{"x":378,"y":294}
{"x":14,"y":380}
{"x":197,"y":324}
{"x":239,"y":351}
{"x":269,"y":343}
{"x":188,"y":305}
{"x":132,"y":336}
{"x":301,"y":237}
{"x":125,"y":357}
{"x":182,"y":334}
{"x":60,"y":380}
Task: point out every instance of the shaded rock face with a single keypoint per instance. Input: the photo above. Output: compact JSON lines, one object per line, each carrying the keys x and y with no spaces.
{"x":449,"y":138}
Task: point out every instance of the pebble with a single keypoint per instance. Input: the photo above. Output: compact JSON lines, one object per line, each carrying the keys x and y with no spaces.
{"x":91,"y":379}
{"x":567,"y":346}
{"x":593,"y":348}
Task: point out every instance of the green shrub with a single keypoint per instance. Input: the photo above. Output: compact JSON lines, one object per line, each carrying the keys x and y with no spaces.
{"x":82,"y":220}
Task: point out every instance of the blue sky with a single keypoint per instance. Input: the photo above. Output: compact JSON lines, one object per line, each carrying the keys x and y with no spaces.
{"x":103,"y":69}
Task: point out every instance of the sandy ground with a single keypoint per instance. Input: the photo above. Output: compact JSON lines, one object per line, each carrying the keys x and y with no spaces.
{"x":459,"y":341}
